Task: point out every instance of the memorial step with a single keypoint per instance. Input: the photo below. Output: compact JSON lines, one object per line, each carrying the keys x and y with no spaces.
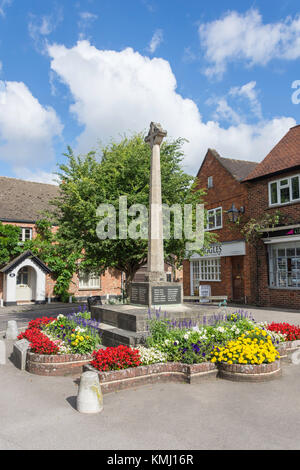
{"x":113,"y":336}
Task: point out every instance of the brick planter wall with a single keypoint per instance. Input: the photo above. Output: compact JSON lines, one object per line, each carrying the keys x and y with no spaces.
{"x":249,"y":372}
{"x":287,"y":348}
{"x":58,"y":365}
{"x":113,"y":381}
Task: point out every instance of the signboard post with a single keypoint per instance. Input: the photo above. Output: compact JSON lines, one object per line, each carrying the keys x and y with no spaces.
{"x":204,"y":293}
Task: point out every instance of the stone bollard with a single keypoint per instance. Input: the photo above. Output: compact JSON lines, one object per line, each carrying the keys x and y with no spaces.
{"x":89,"y":398}
{"x":12,"y":330}
{"x":2,"y":353}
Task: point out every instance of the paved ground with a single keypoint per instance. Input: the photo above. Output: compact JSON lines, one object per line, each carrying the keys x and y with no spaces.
{"x":39,"y":412}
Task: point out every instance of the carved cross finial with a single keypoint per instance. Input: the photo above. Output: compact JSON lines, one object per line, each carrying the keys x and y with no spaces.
{"x":156,"y":134}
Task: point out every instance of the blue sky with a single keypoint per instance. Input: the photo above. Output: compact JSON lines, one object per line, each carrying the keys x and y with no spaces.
{"x":79,"y":72}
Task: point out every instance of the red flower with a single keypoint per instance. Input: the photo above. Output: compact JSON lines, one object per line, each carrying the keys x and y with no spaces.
{"x":121,"y":357}
{"x":292,"y":332}
{"x":40,"y":322}
{"x":39,"y":343}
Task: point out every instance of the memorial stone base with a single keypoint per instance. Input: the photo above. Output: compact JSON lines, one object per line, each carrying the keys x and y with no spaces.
{"x":128,"y":324}
{"x":156,"y":294}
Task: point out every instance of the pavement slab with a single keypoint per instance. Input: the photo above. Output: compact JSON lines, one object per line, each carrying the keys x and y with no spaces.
{"x":40,"y":413}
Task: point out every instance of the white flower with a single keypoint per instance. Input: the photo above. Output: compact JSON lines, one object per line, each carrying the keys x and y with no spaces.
{"x":80,"y":330}
{"x":151,"y":355}
{"x":167,"y":342}
{"x":186,"y":336}
{"x":60,"y":316}
{"x":221,"y":329}
{"x":176,"y":343}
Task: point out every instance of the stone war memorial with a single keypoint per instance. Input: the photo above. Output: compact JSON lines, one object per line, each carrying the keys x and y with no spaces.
{"x":127,"y":324}
{"x":156,"y":291}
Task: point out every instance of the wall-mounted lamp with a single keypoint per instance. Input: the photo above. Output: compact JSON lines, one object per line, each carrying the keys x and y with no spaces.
{"x":234,"y":213}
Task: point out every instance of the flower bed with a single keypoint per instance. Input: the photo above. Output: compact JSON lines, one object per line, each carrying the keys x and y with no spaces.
{"x":235,"y":347}
{"x":60,"y":346}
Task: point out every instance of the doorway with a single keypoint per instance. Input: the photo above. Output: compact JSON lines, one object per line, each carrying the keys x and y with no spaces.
{"x":238,"y":279}
{"x":25,"y":288}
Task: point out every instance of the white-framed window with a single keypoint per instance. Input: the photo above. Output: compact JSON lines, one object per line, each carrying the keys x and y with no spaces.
{"x":23,"y":276}
{"x":26,"y":234}
{"x":89,"y":281}
{"x":284,"y":265}
{"x":210,"y":182}
{"x":206,"y":269}
{"x":214,"y":219}
{"x":284,"y":190}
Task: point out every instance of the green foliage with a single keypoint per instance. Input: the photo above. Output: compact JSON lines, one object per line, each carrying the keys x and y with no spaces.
{"x":79,"y":339}
{"x":179,"y":344}
{"x":195,"y":345}
{"x":58,"y":254}
{"x":253,"y":229}
{"x":9,"y":243}
{"x":124,"y":170}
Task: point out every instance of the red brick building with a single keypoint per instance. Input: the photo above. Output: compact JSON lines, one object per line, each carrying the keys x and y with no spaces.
{"x":274,"y":185}
{"x":225,"y":267}
{"x":27,"y":278}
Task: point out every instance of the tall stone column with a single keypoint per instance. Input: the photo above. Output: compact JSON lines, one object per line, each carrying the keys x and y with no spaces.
{"x":155,"y":291}
{"x":155,"y":269}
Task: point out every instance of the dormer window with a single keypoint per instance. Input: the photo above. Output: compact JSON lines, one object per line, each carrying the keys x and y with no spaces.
{"x":210,"y":182}
{"x":284,"y":191}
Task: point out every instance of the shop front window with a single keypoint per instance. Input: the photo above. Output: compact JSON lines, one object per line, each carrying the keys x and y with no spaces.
{"x":206,"y":270}
{"x":284,"y":265}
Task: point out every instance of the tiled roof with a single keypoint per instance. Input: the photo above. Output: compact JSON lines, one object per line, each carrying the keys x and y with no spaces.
{"x":24,"y":200}
{"x":27,"y":254}
{"x":285,"y":155}
{"x":239,"y":169}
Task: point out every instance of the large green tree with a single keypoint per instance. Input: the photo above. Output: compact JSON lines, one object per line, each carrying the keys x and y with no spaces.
{"x":122,"y":169}
{"x":9,"y":242}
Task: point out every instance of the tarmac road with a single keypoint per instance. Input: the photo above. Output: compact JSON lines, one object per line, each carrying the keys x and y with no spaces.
{"x":23,"y":316}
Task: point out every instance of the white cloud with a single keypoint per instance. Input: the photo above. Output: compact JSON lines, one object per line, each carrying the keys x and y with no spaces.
{"x":27,"y":128}
{"x":39,"y":27}
{"x":117,"y":92}
{"x":85,"y":21}
{"x":38,"y":176}
{"x":248,"y":91}
{"x":224,"y":111}
{"x":245,"y":37}
{"x":3,"y":5}
{"x":156,"y":40}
